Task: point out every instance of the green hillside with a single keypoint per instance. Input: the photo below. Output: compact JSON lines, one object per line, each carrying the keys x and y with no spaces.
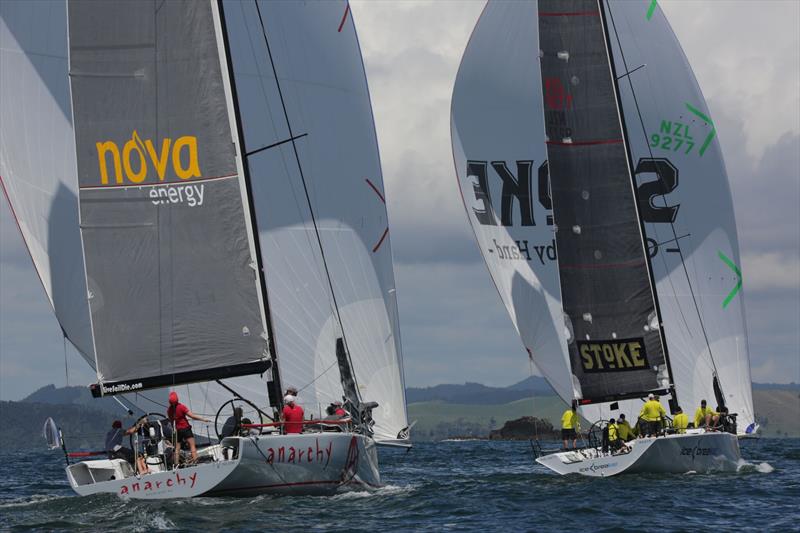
{"x":777,"y":410}
{"x":439,"y":420}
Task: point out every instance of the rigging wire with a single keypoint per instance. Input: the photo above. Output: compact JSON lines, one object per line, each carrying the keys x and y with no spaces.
{"x":66,"y":366}
{"x":672,"y":225}
{"x":305,"y":189}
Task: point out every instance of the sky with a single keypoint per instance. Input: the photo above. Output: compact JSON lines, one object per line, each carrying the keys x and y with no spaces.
{"x":454,"y":328}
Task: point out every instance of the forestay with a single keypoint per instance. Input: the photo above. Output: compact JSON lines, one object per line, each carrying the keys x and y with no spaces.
{"x":172,"y":280}
{"x":310,"y":145}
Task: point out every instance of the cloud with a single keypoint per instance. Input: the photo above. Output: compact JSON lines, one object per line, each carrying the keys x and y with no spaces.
{"x":454,"y":327}
{"x":746,"y":57}
{"x":771,"y":271}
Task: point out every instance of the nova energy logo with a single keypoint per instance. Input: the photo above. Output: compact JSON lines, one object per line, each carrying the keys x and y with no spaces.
{"x":139,"y":158}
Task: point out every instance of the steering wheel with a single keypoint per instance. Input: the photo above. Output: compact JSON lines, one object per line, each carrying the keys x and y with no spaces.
{"x":249,"y":410}
{"x":140,"y":422}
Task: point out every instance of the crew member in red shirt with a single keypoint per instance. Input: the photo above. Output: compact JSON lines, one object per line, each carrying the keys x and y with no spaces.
{"x":338,"y":409}
{"x":179,"y":415}
{"x":292,"y":416}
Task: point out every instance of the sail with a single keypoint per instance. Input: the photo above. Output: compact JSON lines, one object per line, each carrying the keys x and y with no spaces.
{"x":687,"y":209}
{"x":318,"y":196}
{"x":172,"y":278}
{"x":498,"y":137}
{"x":37,"y":156}
{"x":615,"y":346}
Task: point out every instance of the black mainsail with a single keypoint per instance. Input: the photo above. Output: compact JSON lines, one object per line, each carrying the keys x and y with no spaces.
{"x":615,"y":344}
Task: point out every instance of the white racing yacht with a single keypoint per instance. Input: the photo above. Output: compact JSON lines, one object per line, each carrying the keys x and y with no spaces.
{"x":198,"y":184}
{"x":593,"y":179}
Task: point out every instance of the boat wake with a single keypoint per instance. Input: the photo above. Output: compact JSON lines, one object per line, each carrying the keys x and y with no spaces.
{"x":763,"y":467}
{"x":31,"y":500}
{"x":386,"y":490}
{"x":155,"y":520}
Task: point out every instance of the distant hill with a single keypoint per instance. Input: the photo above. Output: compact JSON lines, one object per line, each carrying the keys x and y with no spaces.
{"x":443,"y":411}
{"x":78,"y":396}
{"x":84,"y":428}
{"x":777,"y":386}
{"x":476,"y":393}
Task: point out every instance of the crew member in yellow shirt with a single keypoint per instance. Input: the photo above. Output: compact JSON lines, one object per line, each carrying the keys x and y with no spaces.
{"x":650,"y":417}
{"x":681,"y":421}
{"x":614,"y":440}
{"x":704,"y":416}
{"x":570,"y":426}
{"x":624,"y":428}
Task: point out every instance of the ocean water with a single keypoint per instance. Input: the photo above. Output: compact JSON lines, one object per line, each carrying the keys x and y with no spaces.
{"x":473,"y":485}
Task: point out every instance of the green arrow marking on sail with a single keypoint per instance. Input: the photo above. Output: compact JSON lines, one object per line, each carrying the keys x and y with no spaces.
{"x":651,"y":9}
{"x":738,"y":272}
{"x":710,"y":123}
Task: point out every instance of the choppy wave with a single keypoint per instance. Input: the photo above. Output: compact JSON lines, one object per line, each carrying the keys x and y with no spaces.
{"x":462,"y":485}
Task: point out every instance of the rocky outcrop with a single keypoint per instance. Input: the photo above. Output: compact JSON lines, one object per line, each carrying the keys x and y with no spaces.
{"x":527,"y":427}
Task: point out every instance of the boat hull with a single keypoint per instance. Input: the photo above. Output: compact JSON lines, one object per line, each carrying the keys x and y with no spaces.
{"x":311,"y":463}
{"x":93,"y":477}
{"x":676,"y":454}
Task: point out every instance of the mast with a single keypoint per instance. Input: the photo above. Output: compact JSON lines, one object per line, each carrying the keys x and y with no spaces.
{"x":631,"y":166}
{"x":276,"y":394}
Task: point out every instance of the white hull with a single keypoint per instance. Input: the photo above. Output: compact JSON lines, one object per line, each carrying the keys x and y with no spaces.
{"x":310,"y":463}
{"x":677,"y":454}
{"x":116,"y":477}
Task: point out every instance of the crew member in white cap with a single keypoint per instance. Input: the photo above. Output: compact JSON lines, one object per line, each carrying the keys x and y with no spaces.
{"x":651,"y":416}
{"x":292,"y":416}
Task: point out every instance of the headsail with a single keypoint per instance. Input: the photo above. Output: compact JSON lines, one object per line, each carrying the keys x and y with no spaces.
{"x":173,"y":284}
{"x":310,"y":146}
{"x":37,"y":156}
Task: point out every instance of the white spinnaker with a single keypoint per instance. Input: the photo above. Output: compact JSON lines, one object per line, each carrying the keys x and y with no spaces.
{"x":320,"y":97}
{"x":37,"y":156}
{"x":497,"y":116}
{"x":674,"y":113}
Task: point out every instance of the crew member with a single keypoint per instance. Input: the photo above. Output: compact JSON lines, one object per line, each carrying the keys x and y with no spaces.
{"x":624,"y":428}
{"x":338,"y":410}
{"x":570,"y":426}
{"x":292,"y":416}
{"x":114,"y":447}
{"x":681,"y":421}
{"x":650,"y":417}
{"x":233,"y":424}
{"x":179,"y":414}
{"x":614,"y":439}
{"x":704,"y":416}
